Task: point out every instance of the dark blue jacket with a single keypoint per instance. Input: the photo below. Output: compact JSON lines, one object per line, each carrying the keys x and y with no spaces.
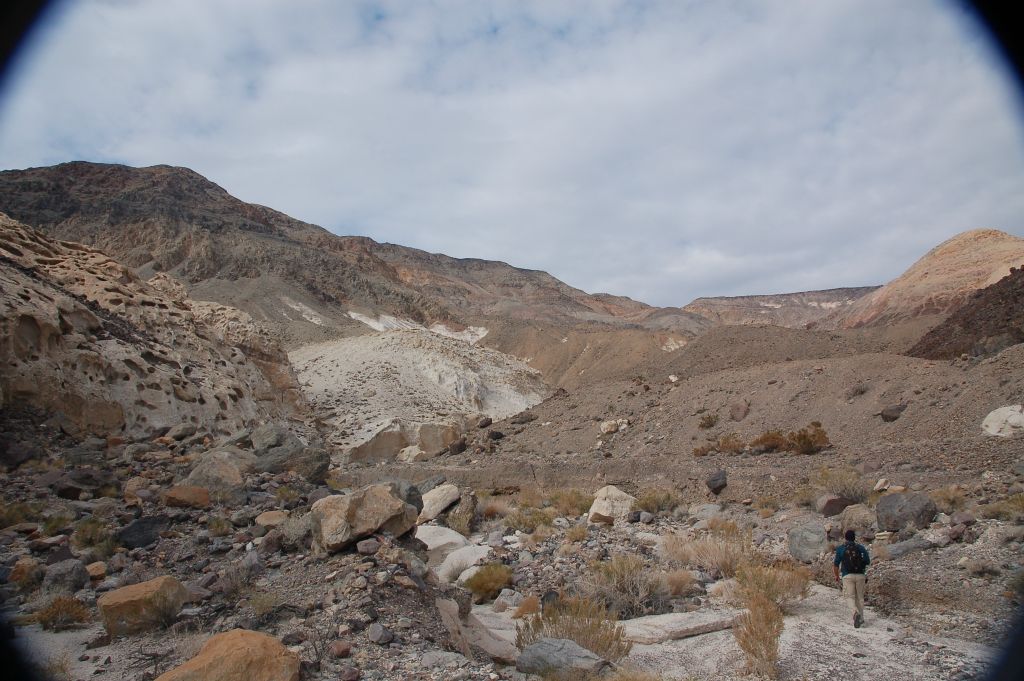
{"x":841,"y":551}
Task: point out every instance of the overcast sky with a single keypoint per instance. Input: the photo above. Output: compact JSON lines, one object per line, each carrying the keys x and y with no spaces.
{"x":660,"y":150}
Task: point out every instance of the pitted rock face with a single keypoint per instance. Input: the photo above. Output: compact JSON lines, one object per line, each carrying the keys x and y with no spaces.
{"x":83,"y":335}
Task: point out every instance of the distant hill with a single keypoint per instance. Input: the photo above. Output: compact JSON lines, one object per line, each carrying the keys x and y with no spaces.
{"x":939,"y":282}
{"x":793,"y":310}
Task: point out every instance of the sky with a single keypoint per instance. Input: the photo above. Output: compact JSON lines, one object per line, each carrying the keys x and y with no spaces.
{"x":660,"y":150}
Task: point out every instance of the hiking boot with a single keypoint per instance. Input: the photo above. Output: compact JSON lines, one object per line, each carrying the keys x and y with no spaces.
{"x":857,"y":621}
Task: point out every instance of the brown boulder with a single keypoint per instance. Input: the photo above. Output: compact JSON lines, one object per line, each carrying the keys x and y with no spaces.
{"x":142,"y":606}
{"x":271,"y":519}
{"x":185,"y":496}
{"x":340,"y":519}
{"x":239,"y":655}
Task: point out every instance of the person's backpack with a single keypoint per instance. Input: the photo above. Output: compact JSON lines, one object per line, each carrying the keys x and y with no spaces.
{"x":853,"y":559}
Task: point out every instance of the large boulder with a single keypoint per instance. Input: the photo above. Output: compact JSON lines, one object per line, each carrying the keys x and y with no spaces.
{"x":610,"y":504}
{"x":66,"y":576}
{"x":222,"y":472}
{"x":186,"y":496}
{"x":717,"y":481}
{"x":1005,"y":421}
{"x":437,"y":500}
{"x":896,"y":511}
{"x":832,"y":504}
{"x":142,"y":606}
{"x":459,"y":560}
{"x":279,"y":450}
{"x":440,"y":542}
{"x":859,"y":518}
{"x":340,"y":519}
{"x":559,"y":656}
{"x":142,"y":531}
{"x":807,"y":541}
{"x":239,"y":655}
{"x":407,"y":492}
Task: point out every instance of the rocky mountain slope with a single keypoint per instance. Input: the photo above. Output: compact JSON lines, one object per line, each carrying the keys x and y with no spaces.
{"x":939,"y":282}
{"x":794,"y":310}
{"x":294,"y":275}
{"x":991,"y":320}
{"x":83,"y":337}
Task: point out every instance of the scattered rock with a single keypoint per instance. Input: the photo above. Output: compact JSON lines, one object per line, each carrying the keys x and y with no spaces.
{"x":340,"y":519}
{"x":185,"y":496}
{"x":66,"y":576}
{"x":610,"y":504}
{"x":717,"y":481}
{"x":893,"y":412}
{"x":676,"y":625}
{"x":1005,"y":421}
{"x":143,"y":531}
{"x":560,"y":656}
{"x":239,"y":655}
{"x":896,"y":511}
{"x":436,"y":501}
{"x":143,"y":606}
{"x":378,"y":634}
{"x":807,"y":542}
{"x":831,"y":504}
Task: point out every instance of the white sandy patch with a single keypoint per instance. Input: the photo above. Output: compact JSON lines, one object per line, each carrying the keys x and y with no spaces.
{"x":386,"y":322}
{"x":471,"y":334}
{"x":673,"y":344}
{"x":361,"y":384}
{"x":308,"y":313}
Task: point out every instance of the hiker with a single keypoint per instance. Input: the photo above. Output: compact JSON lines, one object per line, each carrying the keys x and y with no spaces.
{"x":853,"y":559}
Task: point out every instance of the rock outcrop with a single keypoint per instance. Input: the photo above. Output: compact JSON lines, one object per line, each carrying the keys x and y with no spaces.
{"x":142,"y":606}
{"x":82,"y":335}
{"x":239,"y":655}
{"x":341,"y":519}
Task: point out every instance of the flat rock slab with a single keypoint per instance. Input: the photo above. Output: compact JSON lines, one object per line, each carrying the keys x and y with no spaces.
{"x":676,"y":625}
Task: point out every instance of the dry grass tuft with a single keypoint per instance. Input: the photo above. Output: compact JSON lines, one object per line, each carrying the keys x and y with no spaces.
{"x":1010,"y":508}
{"x":730,"y":444}
{"x":19,"y":512}
{"x":767,"y":506}
{"x":949,"y":499}
{"x":680,"y":582}
{"x":526,"y":519}
{"x":487,"y":582}
{"x":717,"y":556}
{"x":626,"y":586}
{"x":63,"y":612}
{"x":571,"y":502}
{"x":56,"y":524}
{"x":528,"y":606}
{"x":529,"y":498}
{"x":782,"y":584}
{"x":495,"y":507}
{"x":218,"y":526}
{"x":576,"y":533}
{"x":584,"y":621}
{"x":707,"y":421}
{"x":93,"y":533}
{"x":757,"y":633}
{"x":809,"y":440}
{"x":658,"y":500}
{"x":843,"y":482}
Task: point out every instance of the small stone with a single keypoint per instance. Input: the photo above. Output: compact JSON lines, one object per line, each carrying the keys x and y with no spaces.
{"x":379,"y":635}
{"x":340,"y":649}
{"x":349,"y":673}
{"x":717,"y":481}
{"x":368,"y":547}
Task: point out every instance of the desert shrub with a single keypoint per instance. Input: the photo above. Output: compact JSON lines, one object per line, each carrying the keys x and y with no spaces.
{"x":949,"y":499}
{"x":724,"y":527}
{"x":530,"y":498}
{"x":771,"y":441}
{"x":856,"y":390}
{"x":218,"y":526}
{"x":767,"y":506}
{"x":460,"y":522}
{"x":809,"y":440}
{"x":587,"y":622}
{"x":571,"y":502}
{"x":286,"y":495}
{"x":657,"y":500}
{"x":680,"y":582}
{"x":576,"y":533}
{"x":757,"y":633}
{"x":55,"y":668}
{"x":165,"y":609}
{"x":626,"y":586}
{"x":93,"y":533}
{"x":528,"y":606}
{"x":1009,"y":508}
{"x":843,"y":482}
{"x":494,"y":507}
{"x":782,"y":584}
{"x":63,"y":612}
{"x":805,"y":495}
{"x":55,"y":524}
{"x":703,"y":450}
{"x":264,"y":603}
{"x":487,"y":582}
{"x":526,"y":519}
{"x":730,"y":444}
{"x":707,"y":421}
{"x":19,"y":512}
{"x":719,"y":556}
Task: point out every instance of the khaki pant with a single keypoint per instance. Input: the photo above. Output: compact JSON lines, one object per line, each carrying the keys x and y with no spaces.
{"x":853,"y":589}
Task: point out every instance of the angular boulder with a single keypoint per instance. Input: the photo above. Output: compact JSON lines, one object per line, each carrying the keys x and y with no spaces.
{"x":676,"y":625}
{"x":239,"y":655}
{"x":141,"y":607}
{"x":717,"y":481}
{"x":807,"y":541}
{"x":437,"y":500}
{"x":142,"y":531}
{"x":440,"y":542}
{"x":896,"y":511}
{"x":610,"y":504}
{"x":893,"y":412}
{"x":222,"y":476}
{"x":459,"y":560}
{"x":66,"y":576}
{"x":559,"y":655}
{"x":271,"y":519}
{"x":341,"y":519}
{"x":187,"y":496}
{"x":832,"y":504}
{"x":1005,"y":421}
{"x":859,"y":518}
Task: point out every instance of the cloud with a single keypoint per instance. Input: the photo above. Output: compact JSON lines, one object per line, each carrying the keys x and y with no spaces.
{"x":661,"y":150}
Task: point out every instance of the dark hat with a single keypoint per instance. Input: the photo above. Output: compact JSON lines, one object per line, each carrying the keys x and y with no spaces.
{"x":850,"y":536}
